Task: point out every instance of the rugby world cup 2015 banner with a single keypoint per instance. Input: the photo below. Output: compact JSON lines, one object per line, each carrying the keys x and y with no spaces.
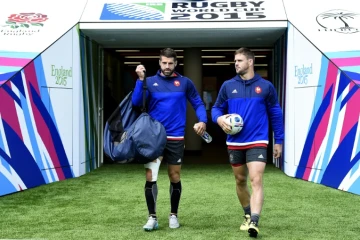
{"x":152,"y":10}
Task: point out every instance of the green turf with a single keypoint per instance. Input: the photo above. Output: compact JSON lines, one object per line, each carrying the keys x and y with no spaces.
{"x":108,"y":203}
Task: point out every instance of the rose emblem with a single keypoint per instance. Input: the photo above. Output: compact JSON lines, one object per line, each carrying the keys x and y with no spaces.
{"x":26,"y":19}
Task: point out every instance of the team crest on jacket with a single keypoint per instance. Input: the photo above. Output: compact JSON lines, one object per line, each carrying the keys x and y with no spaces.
{"x":176,"y":83}
{"x":258,"y":90}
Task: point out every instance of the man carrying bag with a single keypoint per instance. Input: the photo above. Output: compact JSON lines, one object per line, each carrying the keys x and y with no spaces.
{"x":131,"y":134}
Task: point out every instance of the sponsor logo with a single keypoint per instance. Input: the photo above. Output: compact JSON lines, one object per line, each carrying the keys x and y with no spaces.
{"x":340,"y":21}
{"x":133,"y":11}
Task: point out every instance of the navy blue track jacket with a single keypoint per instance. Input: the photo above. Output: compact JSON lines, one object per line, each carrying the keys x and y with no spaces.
{"x":167,"y":100}
{"x":255,"y":100}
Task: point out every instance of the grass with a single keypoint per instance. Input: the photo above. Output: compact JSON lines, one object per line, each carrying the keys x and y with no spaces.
{"x":109,"y":203}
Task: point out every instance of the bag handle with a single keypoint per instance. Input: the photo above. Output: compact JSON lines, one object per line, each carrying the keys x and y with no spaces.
{"x":143,"y":109}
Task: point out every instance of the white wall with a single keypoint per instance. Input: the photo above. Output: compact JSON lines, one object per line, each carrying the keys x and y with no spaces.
{"x":78,"y":107}
{"x":307,"y":14}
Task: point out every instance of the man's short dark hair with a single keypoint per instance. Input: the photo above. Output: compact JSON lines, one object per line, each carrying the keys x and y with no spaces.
{"x":246,"y":52}
{"x":169,"y":53}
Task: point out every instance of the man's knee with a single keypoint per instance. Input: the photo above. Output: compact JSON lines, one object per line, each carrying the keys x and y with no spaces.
{"x":256,"y":181}
{"x":241,"y":180}
{"x":174,"y":175}
{"x":152,"y":170}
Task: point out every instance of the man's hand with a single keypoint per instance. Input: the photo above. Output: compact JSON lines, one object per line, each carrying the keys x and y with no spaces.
{"x":277,"y":150}
{"x":140,"y":72}
{"x":200,"y":128}
{"x":223,"y":124}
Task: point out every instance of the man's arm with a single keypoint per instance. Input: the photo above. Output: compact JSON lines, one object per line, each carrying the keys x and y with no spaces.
{"x":276,"y":115}
{"x":137,"y":96}
{"x":196,"y":102}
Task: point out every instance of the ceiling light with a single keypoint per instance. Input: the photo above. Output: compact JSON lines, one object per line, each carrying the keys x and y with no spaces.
{"x":260,"y":56}
{"x":261,"y":50}
{"x":233,"y":50}
{"x":177,"y":56}
{"x":216,"y":64}
{"x":132,"y":62}
{"x":213,"y":56}
{"x":219,"y":50}
{"x":210,"y":64}
{"x":256,"y":65}
{"x":148,"y":56}
{"x":126,"y":50}
{"x":141,"y":56}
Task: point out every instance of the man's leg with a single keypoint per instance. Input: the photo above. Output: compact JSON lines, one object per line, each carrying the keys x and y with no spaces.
{"x":175,"y":187}
{"x":174,"y":157}
{"x":175,"y":194}
{"x":256,"y":158}
{"x":237,"y":161}
{"x":151,"y":191}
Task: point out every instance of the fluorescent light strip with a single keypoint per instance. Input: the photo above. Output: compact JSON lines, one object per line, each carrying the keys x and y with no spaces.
{"x":206,"y":64}
{"x":233,"y":50}
{"x":148,"y":57}
{"x":215,"y":64}
{"x":210,"y":64}
{"x":219,"y":50}
{"x":261,"y":50}
{"x":177,"y":56}
{"x":256,"y":65}
{"x":213,"y":56}
{"x":125,"y":50}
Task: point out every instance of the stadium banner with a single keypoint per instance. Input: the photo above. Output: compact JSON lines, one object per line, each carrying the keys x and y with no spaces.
{"x":187,"y":11}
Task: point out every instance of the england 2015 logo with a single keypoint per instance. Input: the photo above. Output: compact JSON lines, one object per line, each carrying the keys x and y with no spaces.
{"x":302,"y":73}
{"x":340,"y":21}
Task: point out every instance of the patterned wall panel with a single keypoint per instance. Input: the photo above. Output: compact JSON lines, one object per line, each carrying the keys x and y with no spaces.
{"x":12,"y":62}
{"x":322,"y":115}
{"x":31,"y":149}
{"x":335,"y":128}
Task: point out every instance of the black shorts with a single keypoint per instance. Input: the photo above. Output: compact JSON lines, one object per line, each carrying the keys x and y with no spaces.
{"x":174,"y":152}
{"x":240,"y":157}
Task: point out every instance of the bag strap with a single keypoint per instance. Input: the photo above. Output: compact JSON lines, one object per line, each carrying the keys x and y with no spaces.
{"x":143,"y":109}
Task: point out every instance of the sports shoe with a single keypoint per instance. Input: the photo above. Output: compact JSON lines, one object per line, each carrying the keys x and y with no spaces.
{"x":173,"y":221}
{"x":253,"y":229}
{"x":152,"y":224}
{"x":245,"y":225}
